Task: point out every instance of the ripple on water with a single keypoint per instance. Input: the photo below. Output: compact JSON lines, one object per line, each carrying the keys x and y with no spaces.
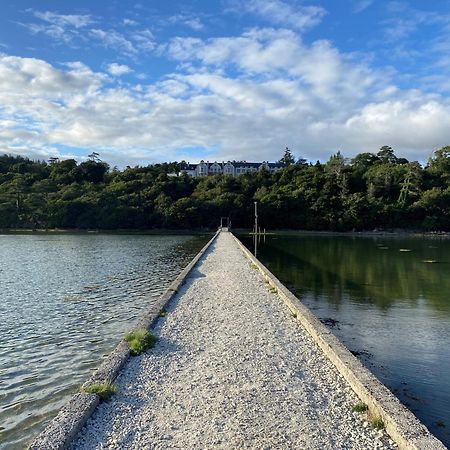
{"x":66,"y":301}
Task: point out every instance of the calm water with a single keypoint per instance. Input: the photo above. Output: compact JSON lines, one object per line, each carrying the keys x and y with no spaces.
{"x":65,"y":302}
{"x":392,"y":308}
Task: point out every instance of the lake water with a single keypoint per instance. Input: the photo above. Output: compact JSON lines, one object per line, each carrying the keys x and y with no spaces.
{"x":65,"y":301}
{"x":386,"y":300}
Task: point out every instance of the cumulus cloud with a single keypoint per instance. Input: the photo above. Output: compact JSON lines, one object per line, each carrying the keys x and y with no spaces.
{"x":241,"y":97}
{"x":118,"y":69}
{"x":281,"y":12}
{"x":281,"y":53}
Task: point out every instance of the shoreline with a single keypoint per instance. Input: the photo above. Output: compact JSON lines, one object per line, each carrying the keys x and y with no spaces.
{"x":240,"y":231}
{"x":156,"y":231}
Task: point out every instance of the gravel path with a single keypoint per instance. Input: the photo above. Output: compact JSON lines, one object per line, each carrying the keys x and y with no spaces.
{"x":231,"y":370}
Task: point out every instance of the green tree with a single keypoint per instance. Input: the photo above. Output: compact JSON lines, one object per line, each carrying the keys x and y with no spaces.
{"x":288,"y":157}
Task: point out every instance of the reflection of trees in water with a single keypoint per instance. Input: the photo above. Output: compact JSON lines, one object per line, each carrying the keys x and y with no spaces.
{"x":336,"y":267}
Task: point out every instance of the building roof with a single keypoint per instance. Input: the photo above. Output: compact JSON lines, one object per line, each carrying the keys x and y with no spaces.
{"x":236,"y":164}
{"x":188,"y":166}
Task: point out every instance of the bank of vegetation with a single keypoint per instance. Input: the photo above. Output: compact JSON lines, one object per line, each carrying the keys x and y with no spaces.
{"x":371,"y":190}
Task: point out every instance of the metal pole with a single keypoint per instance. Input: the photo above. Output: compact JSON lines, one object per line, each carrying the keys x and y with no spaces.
{"x":256,"y":218}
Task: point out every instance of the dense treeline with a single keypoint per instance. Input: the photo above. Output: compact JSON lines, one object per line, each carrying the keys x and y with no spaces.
{"x":369,"y":191}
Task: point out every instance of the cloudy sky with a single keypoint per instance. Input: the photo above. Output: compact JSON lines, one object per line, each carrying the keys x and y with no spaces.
{"x":150,"y":80}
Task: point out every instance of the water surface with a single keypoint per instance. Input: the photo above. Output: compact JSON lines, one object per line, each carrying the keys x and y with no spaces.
{"x":387,"y":299}
{"x":65,"y":302}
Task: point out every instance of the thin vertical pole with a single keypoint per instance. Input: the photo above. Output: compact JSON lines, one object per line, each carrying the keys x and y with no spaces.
{"x":256,"y":218}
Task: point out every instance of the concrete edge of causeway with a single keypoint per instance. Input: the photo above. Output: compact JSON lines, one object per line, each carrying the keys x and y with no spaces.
{"x":62,"y":429}
{"x":400,"y":423}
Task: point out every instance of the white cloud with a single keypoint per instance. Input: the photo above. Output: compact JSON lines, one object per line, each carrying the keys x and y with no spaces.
{"x":282,"y":13}
{"x":118,"y":69}
{"x":144,"y":40}
{"x":129,"y":22}
{"x":63,"y":20}
{"x":362,"y":5}
{"x":246,"y":97}
{"x":75,"y":29}
{"x":61,"y":27}
{"x":114,"y":40}
{"x":190,"y":21}
{"x":280,"y":53}
{"x":405,"y":20}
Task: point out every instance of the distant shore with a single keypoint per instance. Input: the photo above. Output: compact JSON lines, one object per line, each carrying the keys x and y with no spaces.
{"x":92,"y":231}
{"x":277,"y":232}
{"x":398,"y":232}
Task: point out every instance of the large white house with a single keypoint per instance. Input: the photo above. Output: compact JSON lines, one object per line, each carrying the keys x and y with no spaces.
{"x":233,"y":168}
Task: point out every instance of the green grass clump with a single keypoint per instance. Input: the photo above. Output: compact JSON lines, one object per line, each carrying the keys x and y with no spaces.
{"x":359,"y":407}
{"x":140,"y":341}
{"x":273,"y":290}
{"x":104,"y":390}
{"x":253,"y":266}
{"x":377,"y":423}
{"x":162,"y":313}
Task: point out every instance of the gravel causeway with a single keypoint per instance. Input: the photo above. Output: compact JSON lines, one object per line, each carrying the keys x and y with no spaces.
{"x":232,"y":369}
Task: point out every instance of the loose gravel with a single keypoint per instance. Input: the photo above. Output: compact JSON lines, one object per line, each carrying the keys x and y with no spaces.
{"x":232,"y":369}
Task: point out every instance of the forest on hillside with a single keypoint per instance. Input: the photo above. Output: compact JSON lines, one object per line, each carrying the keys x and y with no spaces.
{"x":371,"y":190}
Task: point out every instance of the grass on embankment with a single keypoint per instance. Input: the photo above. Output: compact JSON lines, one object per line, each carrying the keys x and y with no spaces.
{"x":375,"y":421}
{"x":140,"y":341}
{"x":104,"y":390}
{"x":359,"y":407}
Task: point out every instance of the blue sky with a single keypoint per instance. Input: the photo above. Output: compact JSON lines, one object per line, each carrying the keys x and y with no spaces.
{"x":149,"y":81}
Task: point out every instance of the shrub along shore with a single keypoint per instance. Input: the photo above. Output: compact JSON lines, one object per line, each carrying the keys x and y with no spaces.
{"x":369,"y":191}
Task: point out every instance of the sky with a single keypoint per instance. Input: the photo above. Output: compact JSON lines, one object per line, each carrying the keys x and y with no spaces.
{"x":147,"y":81}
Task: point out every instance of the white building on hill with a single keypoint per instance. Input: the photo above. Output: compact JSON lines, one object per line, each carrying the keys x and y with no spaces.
{"x":233,"y":168}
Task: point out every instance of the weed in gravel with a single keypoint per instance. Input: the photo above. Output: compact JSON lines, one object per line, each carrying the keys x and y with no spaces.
{"x":162,"y":313}
{"x":359,"y":407}
{"x":377,"y":423}
{"x":254,"y":266}
{"x":104,"y":390}
{"x":273,"y":290}
{"x":140,"y":341}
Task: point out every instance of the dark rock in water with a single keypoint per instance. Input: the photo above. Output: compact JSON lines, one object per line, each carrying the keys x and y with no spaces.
{"x":329,"y":322}
{"x":363,"y":353}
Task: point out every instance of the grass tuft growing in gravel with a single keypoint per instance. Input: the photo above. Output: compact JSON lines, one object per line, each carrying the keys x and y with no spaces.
{"x":254,"y":266}
{"x":104,"y":390}
{"x":377,"y":423}
{"x":162,"y":313}
{"x":140,"y":341}
{"x":273,"y":290}
{"x":359,"y":407}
